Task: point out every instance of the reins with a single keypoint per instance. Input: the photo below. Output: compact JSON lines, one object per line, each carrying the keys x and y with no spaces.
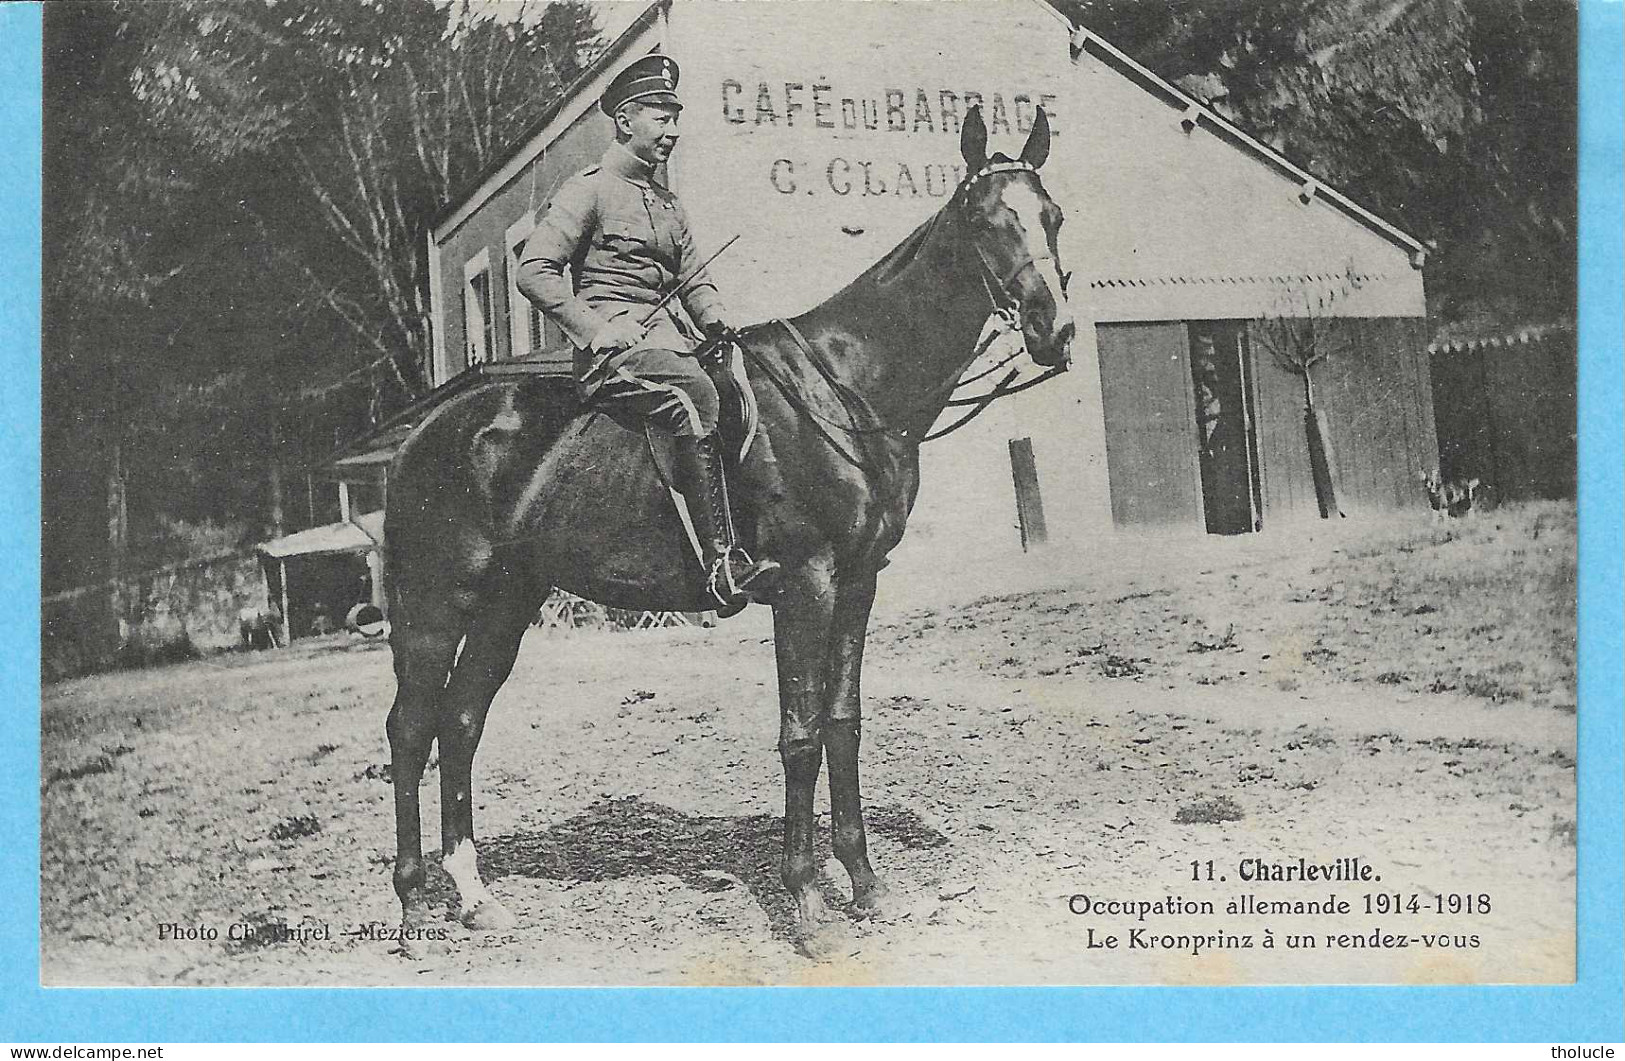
{"x":861,"y":419}
{"x":855,"y":405}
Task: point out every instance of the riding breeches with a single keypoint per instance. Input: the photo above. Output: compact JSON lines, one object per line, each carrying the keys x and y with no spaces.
{"x":663,"y":387}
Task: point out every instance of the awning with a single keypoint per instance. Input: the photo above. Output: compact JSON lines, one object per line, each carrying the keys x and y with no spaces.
{"x":362,"y":535}
{"x":369,"y":458}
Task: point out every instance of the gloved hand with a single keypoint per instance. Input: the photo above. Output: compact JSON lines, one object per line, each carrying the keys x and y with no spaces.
{"x":719,"y":328}
{"x":617,"y":335}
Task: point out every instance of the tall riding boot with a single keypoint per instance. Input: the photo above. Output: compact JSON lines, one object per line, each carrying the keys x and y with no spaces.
{"x":732,"y":578}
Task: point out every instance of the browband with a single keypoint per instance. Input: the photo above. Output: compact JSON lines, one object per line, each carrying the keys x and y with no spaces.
{"x":999,"y":167}
{"x":988,"y":170}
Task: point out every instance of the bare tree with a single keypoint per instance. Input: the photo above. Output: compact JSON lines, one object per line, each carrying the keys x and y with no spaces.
{"x":413,"y":126}
{"x":1299,"y":335}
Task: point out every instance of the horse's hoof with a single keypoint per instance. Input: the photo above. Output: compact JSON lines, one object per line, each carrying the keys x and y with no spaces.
{"x":422,"y":945}
{"x":488,"y":916}
{"x":871,"y":902}
{"x":422,"y":934}
{"x":416,"y":914}
{"x":823,"y":942}
{"x":811,"y":910}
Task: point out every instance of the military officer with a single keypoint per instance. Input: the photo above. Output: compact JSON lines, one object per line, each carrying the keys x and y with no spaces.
{"x":625,"y":240}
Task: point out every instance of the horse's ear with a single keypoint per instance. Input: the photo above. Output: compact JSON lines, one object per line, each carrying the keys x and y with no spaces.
{"x":1037,"y":147}
{"x":973,"y":140}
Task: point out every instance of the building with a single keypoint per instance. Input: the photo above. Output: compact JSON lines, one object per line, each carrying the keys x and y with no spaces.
{"x":1505,"y":405}
{"x":314,"y":577}
{"x":1205,"y":261}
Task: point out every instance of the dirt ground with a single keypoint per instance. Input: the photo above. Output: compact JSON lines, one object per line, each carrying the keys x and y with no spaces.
{"x":1042,"y":739}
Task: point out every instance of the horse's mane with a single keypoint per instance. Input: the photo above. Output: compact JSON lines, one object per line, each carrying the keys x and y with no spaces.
{"x":896,"y":261}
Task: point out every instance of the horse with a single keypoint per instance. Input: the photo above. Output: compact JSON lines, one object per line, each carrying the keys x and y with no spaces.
{"x":493,"y":503}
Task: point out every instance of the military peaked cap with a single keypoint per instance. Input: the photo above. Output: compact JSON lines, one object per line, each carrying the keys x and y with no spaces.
{"x":651,"y":79}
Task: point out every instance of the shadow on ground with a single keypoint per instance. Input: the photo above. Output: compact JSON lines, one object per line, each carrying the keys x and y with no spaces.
{"x":633,"y":837}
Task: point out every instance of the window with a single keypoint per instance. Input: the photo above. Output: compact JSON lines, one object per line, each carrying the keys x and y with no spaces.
{"x":535,"y":329}
{"x":525,"y":331}
{"x":479,"y":327}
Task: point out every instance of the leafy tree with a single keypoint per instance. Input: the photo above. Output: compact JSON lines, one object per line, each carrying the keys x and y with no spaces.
{"x":237,"y":201}
{"x":377,"y":114}
{"x":1455,"y":118}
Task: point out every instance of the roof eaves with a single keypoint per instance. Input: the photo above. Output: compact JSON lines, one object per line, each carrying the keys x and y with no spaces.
{"x":1197,"y":112}
{"x":604,"y":58}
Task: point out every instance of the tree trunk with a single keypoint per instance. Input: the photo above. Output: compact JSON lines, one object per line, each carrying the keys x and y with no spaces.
{"x":274,"y":474}
{"x":1321,"y":459}
{"x":118,"y":540}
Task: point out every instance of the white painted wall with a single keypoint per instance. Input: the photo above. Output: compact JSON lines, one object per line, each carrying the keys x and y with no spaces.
{"x":791,"y":106}
{"x":1149,"y":203}
{"x":777,"y":147}
{"x":780,"y":100}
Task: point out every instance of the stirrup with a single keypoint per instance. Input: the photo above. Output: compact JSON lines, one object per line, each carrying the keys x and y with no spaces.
{"x":756,"y":583}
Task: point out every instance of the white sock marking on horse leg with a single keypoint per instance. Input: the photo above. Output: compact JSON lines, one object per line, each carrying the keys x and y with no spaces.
{"x":463,"y":866}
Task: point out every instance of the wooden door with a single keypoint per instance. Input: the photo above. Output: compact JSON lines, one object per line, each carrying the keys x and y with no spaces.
{"x":1151,"y":458}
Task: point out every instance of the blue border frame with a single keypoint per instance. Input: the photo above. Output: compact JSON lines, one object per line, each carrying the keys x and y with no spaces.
{"x":1590,"y":1010}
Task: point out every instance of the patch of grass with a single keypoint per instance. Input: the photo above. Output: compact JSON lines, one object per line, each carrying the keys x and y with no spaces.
{"x":296,"y":828}
{"x":1490,"y":689}
{"x":1314,"y":738}
{"x":101,"y":764}
{"x":1114,"y":666}
{"x":375,"y":772}
{"x":1491,"y":592}
{"x":1209,"y":812}
{"x":1145,"y":595}
{"x":1218,"y":644}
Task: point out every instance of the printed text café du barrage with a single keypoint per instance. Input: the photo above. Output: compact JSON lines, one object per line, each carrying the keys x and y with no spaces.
{"x":812,"y":106}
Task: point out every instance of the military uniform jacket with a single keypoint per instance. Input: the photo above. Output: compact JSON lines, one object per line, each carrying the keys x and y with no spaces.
{"x":626,"y":241}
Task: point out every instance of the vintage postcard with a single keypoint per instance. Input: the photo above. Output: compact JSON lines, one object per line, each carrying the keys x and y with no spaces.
{"x":993,"y":493}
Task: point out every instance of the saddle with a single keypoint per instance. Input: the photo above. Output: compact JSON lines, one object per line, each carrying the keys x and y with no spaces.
{"x":736,"y":421}
{"x":724,"y":362}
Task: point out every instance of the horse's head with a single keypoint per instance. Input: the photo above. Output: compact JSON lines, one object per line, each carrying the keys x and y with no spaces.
{"x":1013,"y":224}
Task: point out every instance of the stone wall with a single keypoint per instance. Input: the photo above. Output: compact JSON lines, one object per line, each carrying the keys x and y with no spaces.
{"x":162,"y":615}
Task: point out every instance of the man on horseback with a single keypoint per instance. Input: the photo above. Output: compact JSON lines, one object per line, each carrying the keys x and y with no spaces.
{"x":626,"y":241}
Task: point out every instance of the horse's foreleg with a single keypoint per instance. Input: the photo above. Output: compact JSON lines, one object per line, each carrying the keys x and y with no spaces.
{"x":801,"y":624}
{"x":486,"y":661}
{"x":422,"y":659}
{"x":842,"y":734}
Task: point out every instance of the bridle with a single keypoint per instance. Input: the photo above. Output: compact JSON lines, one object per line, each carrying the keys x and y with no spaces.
{"x":1006,"y":312}
{"x":999,"y":288}
{"x":1006,"y":305}
{"x":1005,"y":308}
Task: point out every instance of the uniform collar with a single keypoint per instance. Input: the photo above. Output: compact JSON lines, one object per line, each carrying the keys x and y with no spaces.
{"x":620,"y":161}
